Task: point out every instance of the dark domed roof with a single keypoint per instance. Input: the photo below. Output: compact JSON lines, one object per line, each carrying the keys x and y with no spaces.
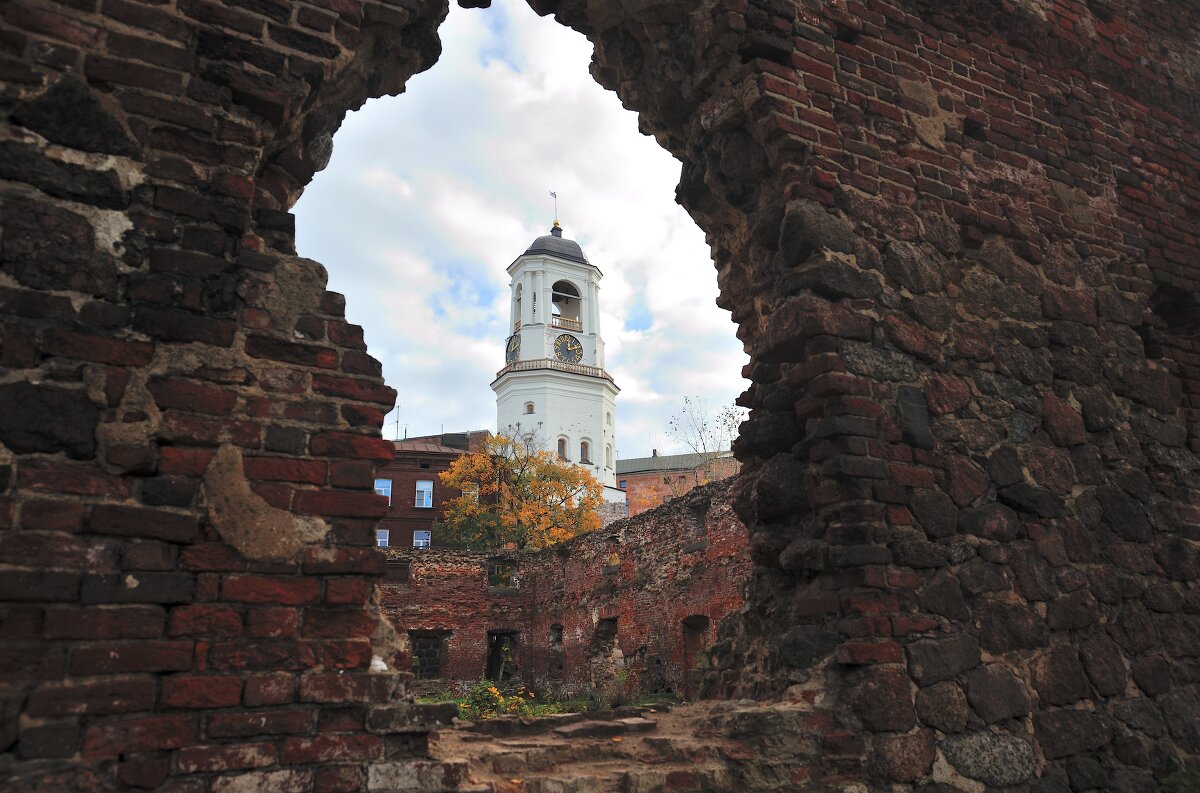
{"x":553,"y":244}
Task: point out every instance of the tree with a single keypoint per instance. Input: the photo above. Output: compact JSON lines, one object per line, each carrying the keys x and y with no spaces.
{"x":516,"y":493}
{"x":707,"y":433}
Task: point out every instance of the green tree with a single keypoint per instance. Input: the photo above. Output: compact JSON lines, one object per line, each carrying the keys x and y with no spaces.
{"x":515,"y":494}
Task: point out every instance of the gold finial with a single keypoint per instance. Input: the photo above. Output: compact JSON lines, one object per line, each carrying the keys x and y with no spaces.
{"x":556,"y":225}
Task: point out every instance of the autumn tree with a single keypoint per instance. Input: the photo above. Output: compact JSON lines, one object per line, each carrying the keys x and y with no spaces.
{"x":707,"y":432}
{"x":517,"y":493}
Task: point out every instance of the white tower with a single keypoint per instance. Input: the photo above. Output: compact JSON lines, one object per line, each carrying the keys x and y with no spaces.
{"x":553,"y":382}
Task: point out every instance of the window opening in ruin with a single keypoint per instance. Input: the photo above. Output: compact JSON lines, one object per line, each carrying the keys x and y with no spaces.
{"x":555,"y":664}
{"x":1176,"y":318}
{"x":502,"y":656}
{"x":556,"y":637}
{"x":428,"y":648}
{"x":383,"y":487}
{"x":381,"y":538}
{"x":397,"y":571}
{"x":502,"y":573}
{"x":424,"y":497}
{"x":422,"y":538}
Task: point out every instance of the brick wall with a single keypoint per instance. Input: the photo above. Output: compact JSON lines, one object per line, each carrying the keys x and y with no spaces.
{"x":649,"y":489}
{"x":684,"y":561}
{"x":959,"y":244}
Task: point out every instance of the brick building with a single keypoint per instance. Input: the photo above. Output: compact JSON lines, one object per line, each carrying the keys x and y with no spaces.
{"x":628,"y":609}
{"x":414,"y":491}
{"x":651,"y":481}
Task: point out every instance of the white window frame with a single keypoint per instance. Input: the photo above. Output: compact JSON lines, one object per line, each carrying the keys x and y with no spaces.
{"x":428,"y":494}
{"x":381,"y":538}
{"x":383,"y":487}
{"x":422,"y":538}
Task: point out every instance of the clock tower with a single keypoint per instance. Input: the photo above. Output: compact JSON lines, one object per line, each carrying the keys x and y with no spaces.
{"x":553,"y":383}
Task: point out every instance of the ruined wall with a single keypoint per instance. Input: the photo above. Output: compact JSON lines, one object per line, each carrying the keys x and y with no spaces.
{"x":959,"y":243}
{"x":641,"y":579}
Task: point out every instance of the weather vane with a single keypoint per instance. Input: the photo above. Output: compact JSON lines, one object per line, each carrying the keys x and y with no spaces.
{"x":555,"y":196}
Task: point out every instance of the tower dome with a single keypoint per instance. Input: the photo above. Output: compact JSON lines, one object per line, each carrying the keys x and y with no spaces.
{"x":554,"y":244}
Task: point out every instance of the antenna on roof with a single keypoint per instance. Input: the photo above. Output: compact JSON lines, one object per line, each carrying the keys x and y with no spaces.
{"x":396,"y":424}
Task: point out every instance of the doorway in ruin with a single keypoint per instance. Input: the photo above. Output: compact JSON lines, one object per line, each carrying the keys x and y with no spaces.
{"x":695,"y":640}
{"x":428,"y":653}
{"x":501,"y":656}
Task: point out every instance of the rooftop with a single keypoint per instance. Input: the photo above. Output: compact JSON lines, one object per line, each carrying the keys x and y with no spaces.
{"x":666,"y":462}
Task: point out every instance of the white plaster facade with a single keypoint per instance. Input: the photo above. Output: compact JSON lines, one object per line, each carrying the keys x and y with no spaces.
{"x":566,"y":403}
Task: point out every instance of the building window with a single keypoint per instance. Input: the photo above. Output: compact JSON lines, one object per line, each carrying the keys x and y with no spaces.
{"x":622,"y":484}
{"x":608,"y":419}
{"x":381,"y":538}
{"x":424,"y":465}
{"x":666,"y":480}
{"x":528,"y":407}
{"x":502,"y":573}
{"x":422,"y":539}
{"x":608,"y":460}
{"x":585,"y":452}
{"x":383,"y":487}
{"x":562,"y":448}
{"x":425,"y":493}
{"x":426,"y":654}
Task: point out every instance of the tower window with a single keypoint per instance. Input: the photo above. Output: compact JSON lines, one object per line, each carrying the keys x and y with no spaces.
{"x":562,"y":448}
{"x":585,"y":450}
{"x":566,"y":303}
{"x":608,"y":419}
{"x":424,"y":494}
{"x":608,"y":459}
{"x":528,"y":407}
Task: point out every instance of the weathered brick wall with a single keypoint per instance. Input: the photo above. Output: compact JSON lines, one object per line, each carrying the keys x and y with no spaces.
{"x":959,"y":243}
{"x":650,"y":573}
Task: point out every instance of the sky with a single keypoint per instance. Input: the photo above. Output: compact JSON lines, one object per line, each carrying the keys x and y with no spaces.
{"x":430,"y":195}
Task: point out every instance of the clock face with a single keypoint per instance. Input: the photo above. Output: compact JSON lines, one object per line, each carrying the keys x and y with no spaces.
{"x":568,"y":349}
{"x":513,"y":350}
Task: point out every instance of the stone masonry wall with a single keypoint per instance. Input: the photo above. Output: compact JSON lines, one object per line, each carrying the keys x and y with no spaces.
{"x":959,"y":242}
{"x":684,"y":561}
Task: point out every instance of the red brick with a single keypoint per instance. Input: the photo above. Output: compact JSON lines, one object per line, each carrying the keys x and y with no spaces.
{"x":184,"y":461}
{"x":194,"y":397}
{"x":330,"y":749}
{"x":346,"y":654}
{"x":267,"y":722}
{"x":98,"y":349}
{"x":347,"y":591}
{"x":286,"y":469}
{"x":351,"y":505}
{"x":345,"y":561}
{"x":278,"y":689}
{"x":208,"y":557}
{"x":275,"y":623}
{"x":262,"y":655}
{"x":105,"y":622}
{"x":58,"y":477}
{"x":339,"y":779}
{"x":206,"y":759}
{"x":144,"y":771}
{"x":43,"y":550}
{"x":359,"y":389}
{"x":201,"y":691}
{"x":863,"y":653}
{"x":337,"y":624}
{"x":113,"y":658}
{"x":143,"y":522}
{"x":320,"y":687}
{"x":112,"y":696}
{"x":111,"y":737}
{"x":350,"y":445}
{"x":221,"y":621}
{"x":47,"y":515}
{"x":270,"y":590}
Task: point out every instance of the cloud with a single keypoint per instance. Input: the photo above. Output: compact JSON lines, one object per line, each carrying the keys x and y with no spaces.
{"x":430,"y":195}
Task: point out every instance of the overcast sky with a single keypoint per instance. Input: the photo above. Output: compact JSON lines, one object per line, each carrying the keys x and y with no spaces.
{"x":431,"y":195}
